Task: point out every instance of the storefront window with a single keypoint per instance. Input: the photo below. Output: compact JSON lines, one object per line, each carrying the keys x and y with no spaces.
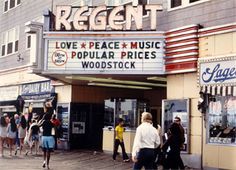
{"x":222,"y":120}
{"x":128,"y":109}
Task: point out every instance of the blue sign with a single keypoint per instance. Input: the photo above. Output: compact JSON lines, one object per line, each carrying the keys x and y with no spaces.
{"x":217,"y":72}
{"x":38,"y":88}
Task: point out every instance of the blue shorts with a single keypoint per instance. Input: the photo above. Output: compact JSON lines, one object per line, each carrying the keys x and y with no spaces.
{"x":35,"y":137}
{"x":48,"y":143}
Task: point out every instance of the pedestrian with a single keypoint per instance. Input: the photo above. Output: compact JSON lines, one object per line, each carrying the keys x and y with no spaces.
{"x":119,"y":130}
{"x":3,"y":133}
{"x":11,"y":134}
{"x":145,"y":142}
{"x":158,"y":151}
{"x":182,"y":140}
{"x":174,"y":142}
{"x":56,"y":123}
{"x":30,"y":116}
{"x":22,"y":131}
{"x":34,"y":136}
{"x":47,"y":139}
{"x":17,"y":141}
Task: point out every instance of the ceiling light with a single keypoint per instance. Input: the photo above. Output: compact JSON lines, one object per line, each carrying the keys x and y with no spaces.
{"x":119,"y":86}
{"x":94,"y":79}
{"x":157,"y":78}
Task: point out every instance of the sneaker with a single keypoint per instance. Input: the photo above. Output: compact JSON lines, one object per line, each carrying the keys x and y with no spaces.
{"x":44,"y":164}
{"x":113,"y":158}
{"x":26,"y":153}
{"x":126,"y":160}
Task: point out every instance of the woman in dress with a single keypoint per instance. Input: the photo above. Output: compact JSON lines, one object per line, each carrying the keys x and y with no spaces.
{"x":34,"y":136}
{"x":3,"y":133}
{"x":11,"y":133}
{"x":22,"y":131}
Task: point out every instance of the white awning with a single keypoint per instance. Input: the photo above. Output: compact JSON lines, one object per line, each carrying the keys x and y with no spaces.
{"x":9,"y":108}
{"x":219,"y":90}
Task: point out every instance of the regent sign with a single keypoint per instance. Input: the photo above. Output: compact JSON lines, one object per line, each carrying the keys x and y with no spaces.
{"x":106,"y":55}
{"x":218,"y":72}
{"x":99,"y":18}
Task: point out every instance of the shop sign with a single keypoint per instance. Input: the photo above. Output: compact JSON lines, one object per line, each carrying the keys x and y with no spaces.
{"x":217,"y":71}
{"x":102,"y":17}
{"x":34,"y":90}
{"x":106,"y":55}
{"x":9,"y":93}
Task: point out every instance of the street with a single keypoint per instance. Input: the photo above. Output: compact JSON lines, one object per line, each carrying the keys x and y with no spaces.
{"x":64,"y":160}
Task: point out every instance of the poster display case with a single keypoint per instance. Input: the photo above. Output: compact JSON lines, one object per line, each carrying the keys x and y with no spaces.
{"x":63,"y":113}
{"x":180,"y":108}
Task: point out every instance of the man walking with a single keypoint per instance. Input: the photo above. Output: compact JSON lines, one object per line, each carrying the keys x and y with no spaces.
{"x":145,"y":141}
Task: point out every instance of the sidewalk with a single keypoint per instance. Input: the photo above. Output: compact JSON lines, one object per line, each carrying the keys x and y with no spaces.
{"x":64,"y":160}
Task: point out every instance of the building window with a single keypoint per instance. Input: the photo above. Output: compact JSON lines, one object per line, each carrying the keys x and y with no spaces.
{"x":3,"y":50}
{"x":126,"y":2}
{"x":10,"y":48}
{"x":28,"y":41}
{"x":82,"y":3}
{"x":183,"y":3}
{"x":115,"y":3}
{"x":10,"y":41}
{"x":10,"y":4}
{"x":16,"y":45}
{"x":5,"y":6}
{"x":190,"y":1}
{"x":175,"y":3}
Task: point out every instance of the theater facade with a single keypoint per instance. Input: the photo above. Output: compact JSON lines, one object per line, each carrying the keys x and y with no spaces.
{"x":106,"y":69}
{"x":102,"y":62}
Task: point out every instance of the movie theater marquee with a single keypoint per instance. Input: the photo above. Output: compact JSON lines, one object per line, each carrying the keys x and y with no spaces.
{"x":110,"y":52}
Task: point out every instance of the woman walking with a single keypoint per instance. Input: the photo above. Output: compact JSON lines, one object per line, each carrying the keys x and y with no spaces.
{"x":11,"y":134}
{"x":47,"y":139}
{"x":3,"y":133}
{"x":34,"y":136}
{"x":175,"y":143}
{"x":22,"y":131}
